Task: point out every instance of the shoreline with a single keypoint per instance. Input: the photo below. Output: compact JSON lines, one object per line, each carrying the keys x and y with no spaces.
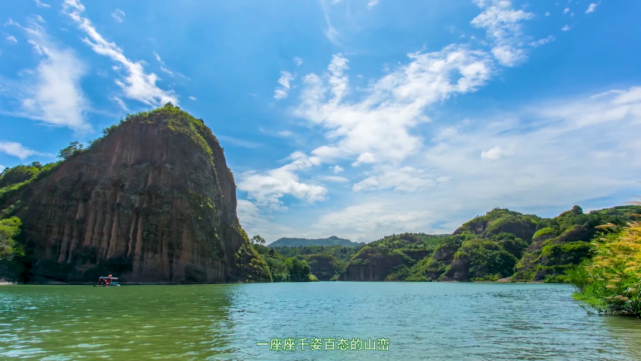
{"x":193,"y":284}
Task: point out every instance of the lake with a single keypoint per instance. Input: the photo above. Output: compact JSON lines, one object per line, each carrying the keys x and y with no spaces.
{"x":422,"y":321}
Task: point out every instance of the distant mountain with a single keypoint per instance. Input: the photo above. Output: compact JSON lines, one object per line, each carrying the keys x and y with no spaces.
{"x":330,"y":241}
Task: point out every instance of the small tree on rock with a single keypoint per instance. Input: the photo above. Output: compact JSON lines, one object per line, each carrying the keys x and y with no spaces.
{"x":257,"y":239}
{"x":73,"y":148}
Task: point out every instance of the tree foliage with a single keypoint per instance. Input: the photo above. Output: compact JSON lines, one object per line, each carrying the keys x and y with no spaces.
{"x":257,"y":239}
{"x":298,"y":270}
{"x":340,"y":252}
{"x":284,"y":269}
{"x":9,"y":230}
{"x":73,"y":148}
{"x":19,"y":174}
{"x":486,"y":259}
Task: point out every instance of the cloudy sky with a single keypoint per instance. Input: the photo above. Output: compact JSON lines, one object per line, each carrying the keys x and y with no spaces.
{"x":355,"y":118}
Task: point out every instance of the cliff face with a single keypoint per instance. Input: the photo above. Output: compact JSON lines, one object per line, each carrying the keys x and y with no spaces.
{"x":371,"y":265}
{"x":324,"y":266}
{"x":390,"y":258}
{"x":551,"y":255}
{"x":153,"y":201}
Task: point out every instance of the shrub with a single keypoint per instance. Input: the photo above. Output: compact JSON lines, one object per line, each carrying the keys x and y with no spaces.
{"x":9,"y":230}
{"x":611,"y":281}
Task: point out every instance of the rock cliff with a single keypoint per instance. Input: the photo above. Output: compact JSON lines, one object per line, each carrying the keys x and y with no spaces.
{"x":324,"y":266}
{"x":152,"y":202}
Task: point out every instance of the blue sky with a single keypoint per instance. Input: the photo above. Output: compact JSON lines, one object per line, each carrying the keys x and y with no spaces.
{"x":355,"y":118}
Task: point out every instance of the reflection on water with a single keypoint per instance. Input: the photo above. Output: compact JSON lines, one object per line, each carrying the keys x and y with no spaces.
{"x":440,"y":321}
{"x":628,"y":330}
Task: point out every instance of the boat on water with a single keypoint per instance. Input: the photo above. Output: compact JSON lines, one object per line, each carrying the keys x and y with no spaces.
{"x":108,"y":281}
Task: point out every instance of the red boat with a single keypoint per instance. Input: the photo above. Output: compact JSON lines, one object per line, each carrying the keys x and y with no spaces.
{"x":107,"y":281}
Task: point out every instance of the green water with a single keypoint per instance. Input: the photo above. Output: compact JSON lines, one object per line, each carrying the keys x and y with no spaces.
{"x":423,"y":321}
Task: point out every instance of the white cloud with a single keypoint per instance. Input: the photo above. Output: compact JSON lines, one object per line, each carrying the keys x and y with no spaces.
{"x":118,"y":15}
{"x":137,"y":84}
{"x":566,"y":10}
{"x":493,"y":153}
{"x":165,"y":70}
{"x":364,"y":222}
{"x":364,"y":158}
{"x":566,"y":153}
{"x":267,"y":188}
{"x":332,"y":34}
{"x":282,"y":91}
{"x":375,"y":127}
{"x":334,"y":179}
{"x":298,"y":61}
{"x":158,"y":58}
{"x":17,"y":150}
{"x":592,"y":7}
{"x":550,"y":155}
{"x":378,"y":126}
{"x":192,"y":98}
{"x":120,"y":103}
{"x":51,"y":92}
{"x":566,"y":28}
{"x":337,"y":169}
{"x":162,"y":67}
{"x":608,"y":107}
{"x":556,"y":157}
{"x":542,"y":41}
{"x":254,"y":222}
{"x":406,"y":178}
{"x":503,"y":25}
{"x":547,"y":13}
{"x":12,"y":39}
{"x":248,"y":213}
{"x":40,"y":4}
{"x":285,"y":133}
{"x":372,"y":3}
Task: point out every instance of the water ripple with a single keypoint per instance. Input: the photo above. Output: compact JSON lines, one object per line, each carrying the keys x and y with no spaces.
{"x":424,"y":321}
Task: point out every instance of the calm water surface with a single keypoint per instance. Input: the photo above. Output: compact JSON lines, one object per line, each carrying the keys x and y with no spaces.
{"x":424,"y":321}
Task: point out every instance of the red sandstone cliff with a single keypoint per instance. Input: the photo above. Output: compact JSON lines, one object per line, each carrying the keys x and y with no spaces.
{"x":153,"y":201}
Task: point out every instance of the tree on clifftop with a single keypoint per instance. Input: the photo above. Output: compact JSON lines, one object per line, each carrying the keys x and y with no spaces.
{"x":258,"y":240}
{"x":73,"y":148}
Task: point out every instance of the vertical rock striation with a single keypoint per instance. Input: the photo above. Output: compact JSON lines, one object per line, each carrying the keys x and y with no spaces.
{"x":152,"y":202}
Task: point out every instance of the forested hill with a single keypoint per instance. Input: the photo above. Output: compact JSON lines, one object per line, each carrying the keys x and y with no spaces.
{"x":500,"y":244}
{"x":298,"y":242}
